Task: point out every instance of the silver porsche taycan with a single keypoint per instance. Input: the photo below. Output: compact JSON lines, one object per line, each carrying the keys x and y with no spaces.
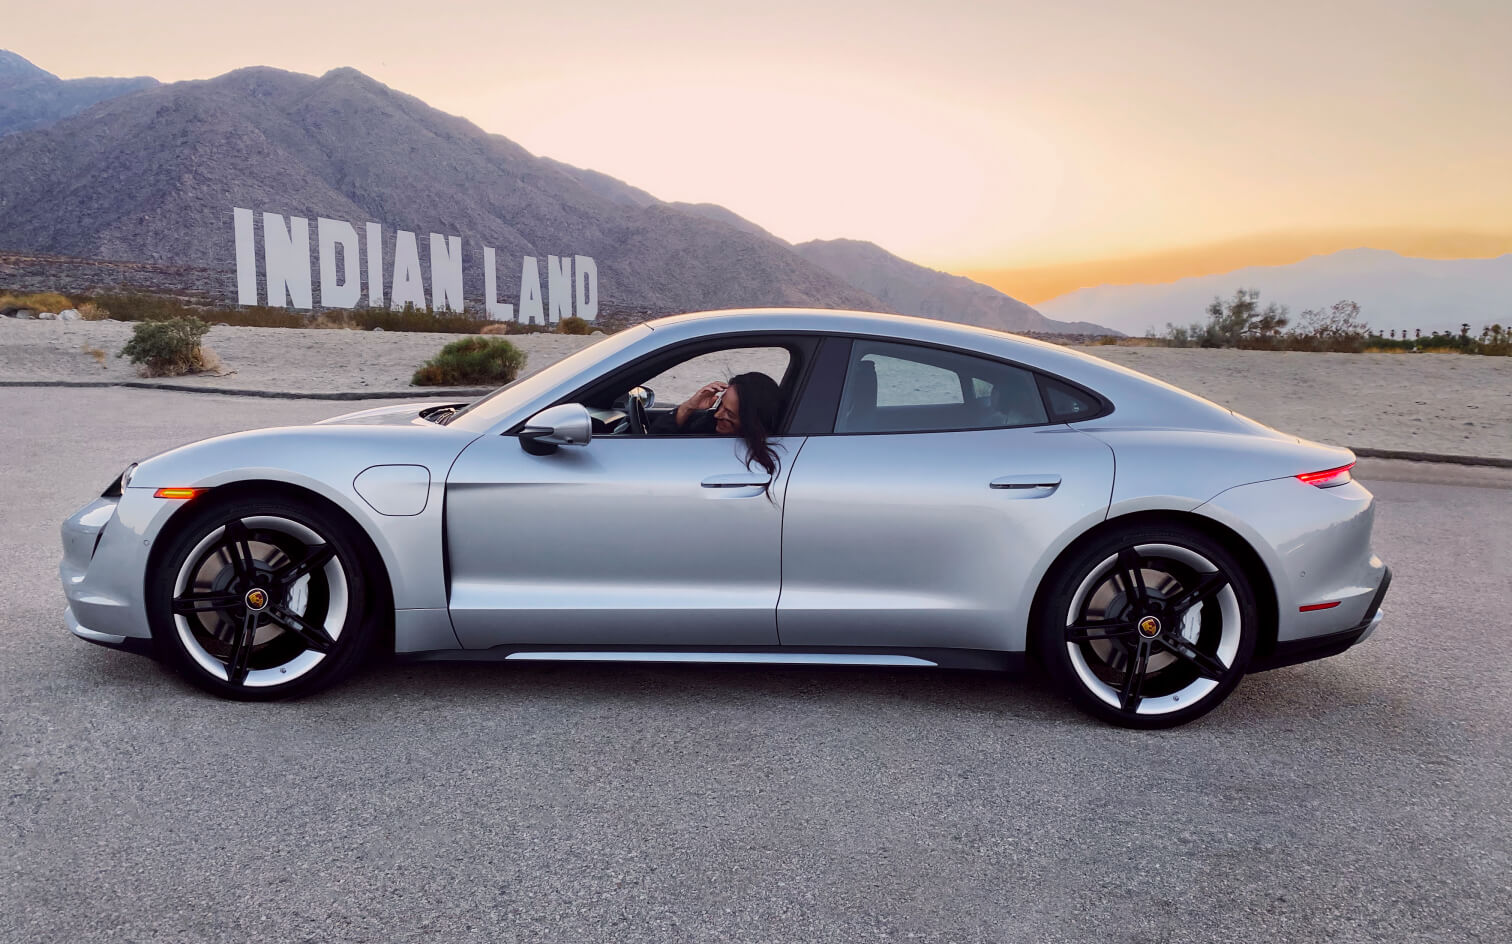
{"x":942,"y":496}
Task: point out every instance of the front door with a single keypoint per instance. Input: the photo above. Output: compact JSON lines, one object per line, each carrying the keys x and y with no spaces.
{"x":627,"y":541}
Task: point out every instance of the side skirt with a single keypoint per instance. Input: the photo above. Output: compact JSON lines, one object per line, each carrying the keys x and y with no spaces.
{"x":978,"y":659}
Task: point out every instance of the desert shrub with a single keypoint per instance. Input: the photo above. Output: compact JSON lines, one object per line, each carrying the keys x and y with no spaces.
{"x":573,"y":325}
{"x":167,"y":348}
{"x":475,"y":360}
{"x":1238,"y":322}
{"x":37,"y":301}
{"x":91,"y":311}
{"x":1337,"y":328}
{"x":495,"y":327}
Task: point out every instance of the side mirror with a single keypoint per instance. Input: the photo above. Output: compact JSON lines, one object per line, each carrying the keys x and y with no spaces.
{"x":644,"y":395}
{"x":567,"y":424}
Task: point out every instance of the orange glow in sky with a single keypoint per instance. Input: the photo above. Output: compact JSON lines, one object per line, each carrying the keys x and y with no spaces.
{"x":1036,"y":146}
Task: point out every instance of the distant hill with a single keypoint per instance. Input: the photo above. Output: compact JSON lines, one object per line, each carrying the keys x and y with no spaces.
{"x":911,"y":289}
{"x":151,"y":177}
{"x":137,"y":189}
{"x":1393,"y":292}
{"x":31,"y":97}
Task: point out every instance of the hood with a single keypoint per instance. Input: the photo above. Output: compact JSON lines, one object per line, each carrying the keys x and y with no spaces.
{"x":402,"y":414}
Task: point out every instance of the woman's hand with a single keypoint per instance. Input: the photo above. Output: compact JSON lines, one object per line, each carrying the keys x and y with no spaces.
{"x":702,"y":399}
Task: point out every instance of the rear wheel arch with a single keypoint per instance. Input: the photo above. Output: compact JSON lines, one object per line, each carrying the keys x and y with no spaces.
{"x":382,"y":595}
{"x":1254,"y":568}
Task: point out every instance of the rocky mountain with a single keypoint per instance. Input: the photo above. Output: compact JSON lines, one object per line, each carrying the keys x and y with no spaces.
{"x":1394,"y":292}
{"x":151,"y":177}
{"x":31,"y":97}
{"x":911,"y":289}
{"x":143,"y":185}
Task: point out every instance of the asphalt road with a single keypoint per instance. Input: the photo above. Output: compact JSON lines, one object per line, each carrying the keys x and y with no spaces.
{"x":1363,"y":798}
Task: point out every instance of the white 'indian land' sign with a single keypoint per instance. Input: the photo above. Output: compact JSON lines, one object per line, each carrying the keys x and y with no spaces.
{"x":571,"y":281}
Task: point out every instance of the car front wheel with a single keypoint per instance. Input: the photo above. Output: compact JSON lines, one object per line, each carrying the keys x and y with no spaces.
{"x":261,"y":599}
{"x":1148,"y":627}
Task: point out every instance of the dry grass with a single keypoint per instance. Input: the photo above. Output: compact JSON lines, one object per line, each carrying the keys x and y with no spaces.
{"x":97,"y":354}
{"x":90,"y":311}
{"x":37,"y":301}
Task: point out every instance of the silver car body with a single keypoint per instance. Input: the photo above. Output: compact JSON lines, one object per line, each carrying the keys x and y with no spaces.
{"x":897,"y":543}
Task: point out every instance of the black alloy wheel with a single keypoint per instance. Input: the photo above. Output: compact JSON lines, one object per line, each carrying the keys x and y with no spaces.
{"x":1148,"y":626}
{"x":262,"y":599}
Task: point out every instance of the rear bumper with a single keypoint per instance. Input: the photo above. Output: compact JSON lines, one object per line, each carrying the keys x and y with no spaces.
{"x":1295,"y":651}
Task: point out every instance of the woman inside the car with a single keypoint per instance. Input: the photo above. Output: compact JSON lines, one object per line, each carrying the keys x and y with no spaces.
{"x":748,"y":406}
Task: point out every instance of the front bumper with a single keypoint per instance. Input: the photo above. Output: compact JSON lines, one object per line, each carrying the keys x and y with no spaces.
{"x":142,"y":647}
{"x":104,"y":565}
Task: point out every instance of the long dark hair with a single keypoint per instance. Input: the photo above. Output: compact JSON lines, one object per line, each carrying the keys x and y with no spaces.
{"x":760,"y":404}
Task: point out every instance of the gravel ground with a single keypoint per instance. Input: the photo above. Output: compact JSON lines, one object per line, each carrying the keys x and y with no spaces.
{"x":1444,"y":403}
{"x":1363,"y":798}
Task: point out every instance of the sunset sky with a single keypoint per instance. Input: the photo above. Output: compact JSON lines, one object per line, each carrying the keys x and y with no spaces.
{"x":1036,"y":146}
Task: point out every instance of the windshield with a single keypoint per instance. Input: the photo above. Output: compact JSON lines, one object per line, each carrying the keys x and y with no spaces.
{"x":485,"y":412}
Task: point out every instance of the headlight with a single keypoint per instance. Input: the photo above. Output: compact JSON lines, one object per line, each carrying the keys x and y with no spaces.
{"x":113,"y":490}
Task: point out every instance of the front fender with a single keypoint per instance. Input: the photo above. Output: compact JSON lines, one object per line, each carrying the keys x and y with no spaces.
{"x":325,"y":461}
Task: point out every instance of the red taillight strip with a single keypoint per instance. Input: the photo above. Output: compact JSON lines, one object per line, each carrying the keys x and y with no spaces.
{"x":1328,"y":477}
{"x":1318,"y":606}
{"x":182,"y":494}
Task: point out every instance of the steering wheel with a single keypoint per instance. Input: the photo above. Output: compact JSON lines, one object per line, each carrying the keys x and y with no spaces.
{"x":635,"y":412}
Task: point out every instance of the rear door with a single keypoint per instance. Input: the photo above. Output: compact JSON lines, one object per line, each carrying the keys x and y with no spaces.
{"x":919,"y":521}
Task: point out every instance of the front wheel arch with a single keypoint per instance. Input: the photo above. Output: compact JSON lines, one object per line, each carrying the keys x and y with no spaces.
{"x":1254,"y":568}
{"x":382,"y":594}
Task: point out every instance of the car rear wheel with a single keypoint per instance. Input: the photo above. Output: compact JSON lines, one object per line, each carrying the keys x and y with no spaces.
{"x":261,"y":599}
{"x":1148,"y":627}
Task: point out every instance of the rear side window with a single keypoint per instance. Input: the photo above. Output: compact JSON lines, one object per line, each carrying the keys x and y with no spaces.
{"x":1069,"y":404}
{"x":900,"y":388}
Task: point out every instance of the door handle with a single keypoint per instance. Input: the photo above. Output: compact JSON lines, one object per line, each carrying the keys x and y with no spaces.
{"x":737,"y":480}
{"x":1031,"y":480}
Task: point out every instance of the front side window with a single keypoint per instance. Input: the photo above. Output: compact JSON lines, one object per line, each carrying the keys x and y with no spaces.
{"x":902,"y":388}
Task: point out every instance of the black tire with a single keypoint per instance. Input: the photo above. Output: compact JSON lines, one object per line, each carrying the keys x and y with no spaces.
{"x":315,"y":572}
{"x":1148,"y":626}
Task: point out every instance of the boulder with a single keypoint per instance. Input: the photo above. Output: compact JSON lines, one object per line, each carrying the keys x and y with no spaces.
{"x":25,"y":314}
{"x":69,"y":314}
{"x":47,"y":316}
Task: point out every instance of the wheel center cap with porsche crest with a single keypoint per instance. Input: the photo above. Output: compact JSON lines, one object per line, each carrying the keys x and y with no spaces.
{"x":257,"y":599}
{"x":1149,"y":627}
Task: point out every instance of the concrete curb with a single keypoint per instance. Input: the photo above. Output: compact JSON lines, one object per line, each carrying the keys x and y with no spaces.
{"x":470,"y":392}
{"x":417,"y":394}
{"x":1367,"y":453}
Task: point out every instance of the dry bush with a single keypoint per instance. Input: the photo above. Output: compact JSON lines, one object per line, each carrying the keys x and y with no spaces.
{"x":91,"y":311}
{"x":573,"y":325}
{"x":495,"y":327}
{"x":168,"y":348}
{"x":475,"y":360}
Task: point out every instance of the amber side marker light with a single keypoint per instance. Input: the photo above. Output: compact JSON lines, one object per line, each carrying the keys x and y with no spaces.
{"x":1328,"y":478}
{"x":183,"y":494}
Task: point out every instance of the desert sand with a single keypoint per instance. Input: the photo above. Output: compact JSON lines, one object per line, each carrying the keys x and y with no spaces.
{"x":1433,"y":403}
